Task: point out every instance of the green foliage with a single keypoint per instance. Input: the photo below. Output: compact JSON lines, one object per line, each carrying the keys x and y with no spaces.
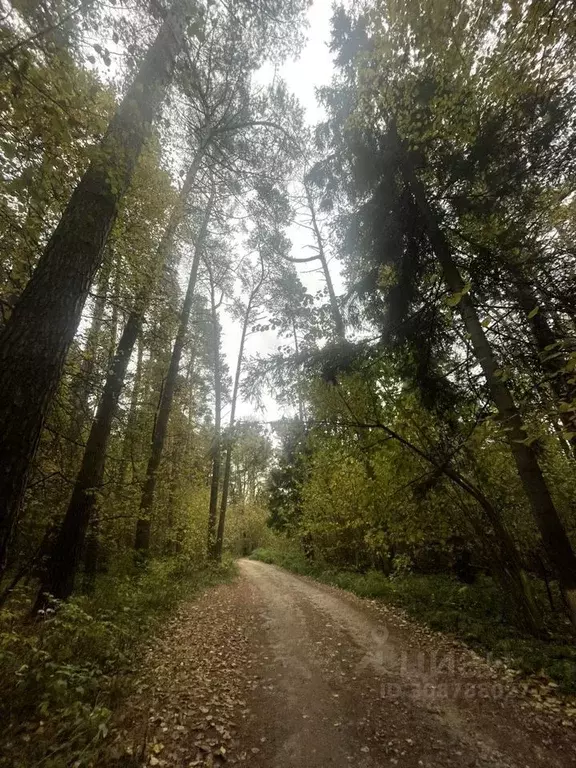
{"x":396,"y":475}
{"x":247,"y":528}
{"x":52,"y":115}
{"x":284,"y":486}
{"x":62,"y":674}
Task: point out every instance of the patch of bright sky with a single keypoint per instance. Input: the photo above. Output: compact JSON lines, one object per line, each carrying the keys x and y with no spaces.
{"x":312,"y":69}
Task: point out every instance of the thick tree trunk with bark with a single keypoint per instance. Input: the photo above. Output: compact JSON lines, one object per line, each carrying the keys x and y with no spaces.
{"x":38,"y":335}
{"x":65,"y":557}
{"x":535,"y":487}
{"x":67,"y":549}
{"x":143,"y":525}
{"x":214,"y":488}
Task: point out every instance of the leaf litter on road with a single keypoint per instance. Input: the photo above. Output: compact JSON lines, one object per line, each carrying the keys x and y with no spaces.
{"x":190,"y":694}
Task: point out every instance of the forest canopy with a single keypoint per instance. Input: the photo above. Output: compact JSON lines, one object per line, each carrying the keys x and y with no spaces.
{"x":224,"y":327}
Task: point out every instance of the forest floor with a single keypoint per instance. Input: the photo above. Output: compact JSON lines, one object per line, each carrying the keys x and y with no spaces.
{"x":275,"y":670}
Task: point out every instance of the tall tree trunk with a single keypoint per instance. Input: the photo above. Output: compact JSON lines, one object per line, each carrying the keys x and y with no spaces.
{"x":339,"y":326}
{"x":298,"y":384}
{"x":115,"y":302}
{"x":535,"y":487}
{"x":65,"y":557}
{"x":83,"y":387}
{"x":143,"y":525}
{"x":93,"y":336}
{"x":38,"y":335}
{"x":230,"y":438}
{"x":191,"y":404}
{"x":128,"y":437}
{"x":216,"y":444}
{"x":67,"y":548}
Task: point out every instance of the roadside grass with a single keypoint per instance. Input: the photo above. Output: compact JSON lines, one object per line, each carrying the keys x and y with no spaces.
{"x":62,"y":676}
{"x":475,"y":613}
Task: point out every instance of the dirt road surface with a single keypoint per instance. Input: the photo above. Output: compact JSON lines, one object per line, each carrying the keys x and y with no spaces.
{"x":278,"y":671}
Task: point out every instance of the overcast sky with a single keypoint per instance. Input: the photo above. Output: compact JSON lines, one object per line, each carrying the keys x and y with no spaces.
{"x":313,"y":68}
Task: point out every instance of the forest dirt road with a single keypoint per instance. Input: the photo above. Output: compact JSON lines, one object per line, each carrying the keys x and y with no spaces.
{"x":277,"y":671}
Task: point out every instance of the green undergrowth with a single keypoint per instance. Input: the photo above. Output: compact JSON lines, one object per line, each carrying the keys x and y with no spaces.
{"x":62,"y":676}
{"x":474,"y":613}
